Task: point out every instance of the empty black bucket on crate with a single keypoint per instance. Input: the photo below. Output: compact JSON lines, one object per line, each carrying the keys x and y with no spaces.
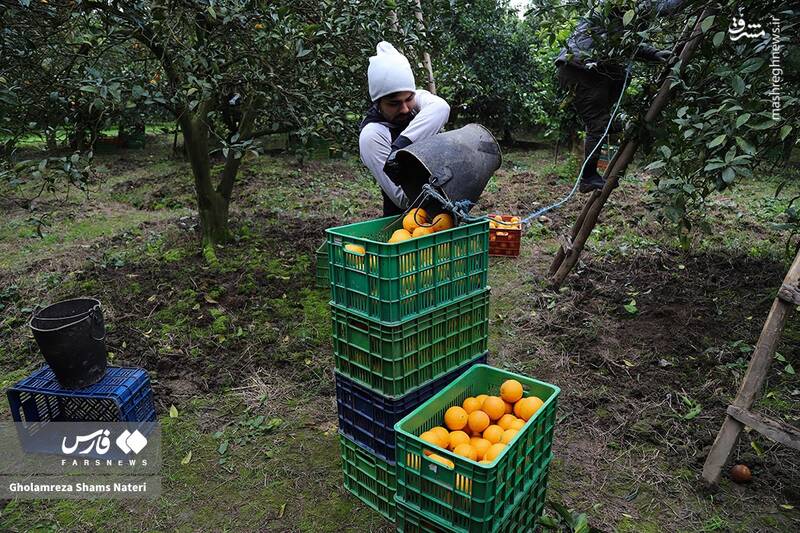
{"x":71,"y":335}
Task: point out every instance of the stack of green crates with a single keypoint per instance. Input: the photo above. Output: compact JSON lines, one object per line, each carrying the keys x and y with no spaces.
{"x":408,"y":318}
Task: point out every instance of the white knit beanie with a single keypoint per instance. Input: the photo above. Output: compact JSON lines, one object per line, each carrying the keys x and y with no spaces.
{"x":389,"y":72}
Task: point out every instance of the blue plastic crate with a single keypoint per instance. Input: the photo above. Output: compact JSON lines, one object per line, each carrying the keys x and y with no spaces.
{"x":123,"y":395}
{"x":368,"y":418}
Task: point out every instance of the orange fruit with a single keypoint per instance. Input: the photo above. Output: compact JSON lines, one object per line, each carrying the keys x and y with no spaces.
{"x":511,"y":390}
{"x":440,"y":459}
{"x":508,"y":435}
{"x":399,"y":236}
{"x":455,"y":418}
{"x":443,"y":434}
{"x":527,"y":407}
{"x":493,"y":451}
{"x":506,"y":420}
{"x":431,"y":438}
{"x":355,"y":248}
{"x":457,"y":438}
{"x":517,"y":424}
{"x":471,"y":404}
{"x":442,"y":221}
{"x":481,"y":398}
{"x":420,"y":231}
{"x":481,"y":445}
{"x":414,"y":219}
{"x":509,"y":407}
{"x":493,"y":434}
{"x":494,"y":407}
{"x":478,"y":421}
{"x":465,"y":450}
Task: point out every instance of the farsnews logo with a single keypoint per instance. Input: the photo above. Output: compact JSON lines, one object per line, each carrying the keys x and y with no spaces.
{"x":100,"y":443}
{"x":131,"y":442}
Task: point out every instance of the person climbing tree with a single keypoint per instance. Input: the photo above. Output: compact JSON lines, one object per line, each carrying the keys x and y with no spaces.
{"x":596,"y":82}
{"x":399,"y":115}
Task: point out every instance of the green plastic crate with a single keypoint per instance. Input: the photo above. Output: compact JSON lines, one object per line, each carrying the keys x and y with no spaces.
{"x":323,"y":276}
{"x":394,"y":360}
{"x":368,"y":478}
{"x":474,"y":497}
{"x":523,"y":518}
{"x":398,"y":281}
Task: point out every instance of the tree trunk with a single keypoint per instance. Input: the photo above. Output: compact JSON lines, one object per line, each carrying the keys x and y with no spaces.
{"x":212,"y":206}
{"x":213,"y":219}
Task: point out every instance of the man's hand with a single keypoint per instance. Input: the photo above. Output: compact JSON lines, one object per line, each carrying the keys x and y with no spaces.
{"x":392,"y":166}
{"x":664,"y":55}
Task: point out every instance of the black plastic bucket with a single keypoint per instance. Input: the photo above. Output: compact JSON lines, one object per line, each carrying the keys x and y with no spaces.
{"x":71,"y":335}
{"x":458,"y":163}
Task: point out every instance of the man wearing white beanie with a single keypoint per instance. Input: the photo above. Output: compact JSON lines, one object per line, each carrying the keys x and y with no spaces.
{"x":400,"y":115}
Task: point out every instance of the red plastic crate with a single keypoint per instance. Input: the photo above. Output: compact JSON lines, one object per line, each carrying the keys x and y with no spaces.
{"x":504,"y":241}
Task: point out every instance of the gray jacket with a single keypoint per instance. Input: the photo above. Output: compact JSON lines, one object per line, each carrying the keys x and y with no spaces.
{"x":580,"y":47}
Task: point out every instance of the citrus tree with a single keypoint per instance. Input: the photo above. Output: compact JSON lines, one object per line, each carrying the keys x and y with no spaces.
{"x":483,"y":61}
{"x":723,"y":126}
{"x":228,"y":71}
{"x":719,"y":126}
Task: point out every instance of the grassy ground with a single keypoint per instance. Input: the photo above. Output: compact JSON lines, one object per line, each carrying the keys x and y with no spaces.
{"x":243,"y":352}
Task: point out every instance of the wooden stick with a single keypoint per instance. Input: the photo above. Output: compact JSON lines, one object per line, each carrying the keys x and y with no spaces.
{"x":573,"y":233}
{"x":776,"y":430}
{"x":753,"y":380}
{"x":622,"y":159}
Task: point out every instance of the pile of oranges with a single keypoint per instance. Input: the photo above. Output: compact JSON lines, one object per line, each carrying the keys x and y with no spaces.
{"x":416,"y":223}
{"x":484,"y":425}
{"x":498,"y":222}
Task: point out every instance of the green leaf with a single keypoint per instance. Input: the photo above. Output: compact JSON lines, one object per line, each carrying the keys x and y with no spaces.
{"x":751,"y":65}
{"x":631,"y":308}
{"x":789,"y":369}
{"x":764,"y":125}
{"x":223,"y":447}
{"x":738,"y":85}
{"x":707,"y":23}
{"x":304,"y":52}
{"x":173,"y":411}
{"x":757,"y":448}
{"x":785,"y":131}
{"x":745,"y":146}
{"x":718,"y":37}
{"x":693,"y":412}
{"x":741,"y":119}
{"x":779,"y":357}
{"x":212,"y":12}
{"x":628,"y":17}
{"x":187,"y":458}
{"x":581,"y":524}
{"x":719,"y":139}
